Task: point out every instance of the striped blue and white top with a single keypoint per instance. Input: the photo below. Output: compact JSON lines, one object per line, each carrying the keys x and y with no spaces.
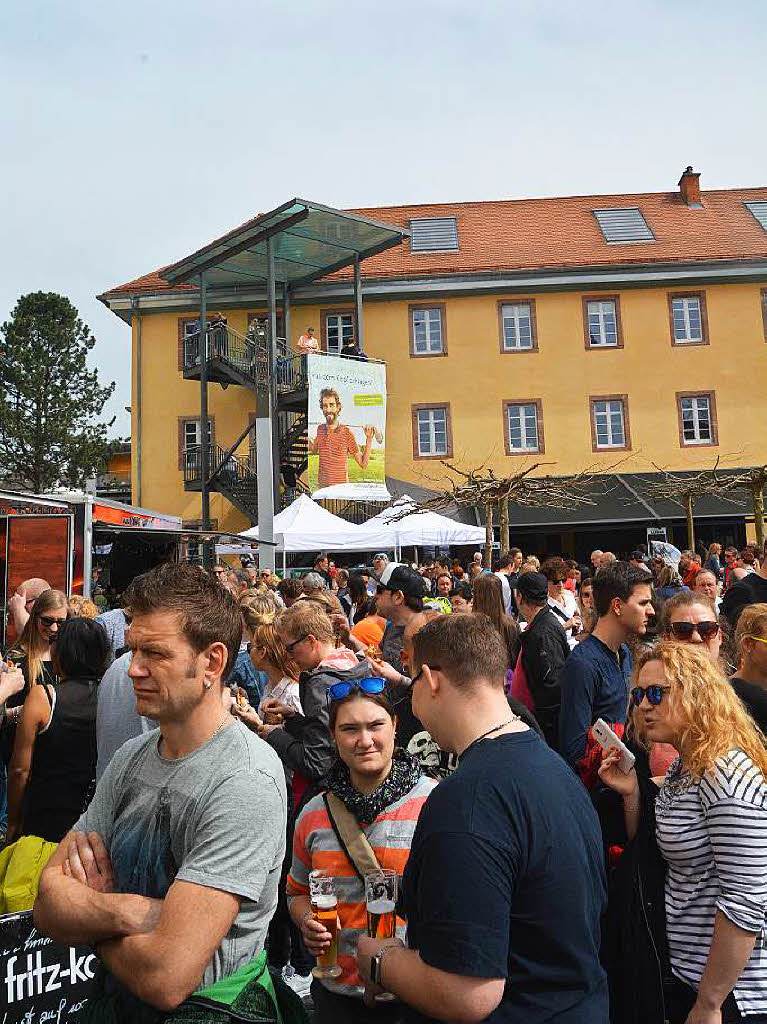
{"x":712,"y":833}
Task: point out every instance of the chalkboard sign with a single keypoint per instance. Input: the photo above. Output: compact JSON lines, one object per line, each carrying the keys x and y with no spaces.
{"x":41,"y":981}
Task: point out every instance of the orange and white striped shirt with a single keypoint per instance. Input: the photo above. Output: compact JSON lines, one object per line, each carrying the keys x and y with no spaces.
{"x":316,"y":847}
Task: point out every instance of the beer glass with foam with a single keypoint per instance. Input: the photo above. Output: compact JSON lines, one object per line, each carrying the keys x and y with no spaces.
{"x":324,"y":903}
{"x":380,"y":901}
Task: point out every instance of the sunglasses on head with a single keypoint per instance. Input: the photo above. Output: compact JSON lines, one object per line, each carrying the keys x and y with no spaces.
{"x":342,"y":689}
{"x":654,"y":694}
{"x":684,"y":630}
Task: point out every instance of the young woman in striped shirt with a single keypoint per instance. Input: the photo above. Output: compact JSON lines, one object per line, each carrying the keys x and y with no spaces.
{"x":711,"y":829}
{"x":385,"y":791}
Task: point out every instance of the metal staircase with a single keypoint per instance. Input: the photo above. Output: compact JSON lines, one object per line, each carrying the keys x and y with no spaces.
{"x":234,"y":358}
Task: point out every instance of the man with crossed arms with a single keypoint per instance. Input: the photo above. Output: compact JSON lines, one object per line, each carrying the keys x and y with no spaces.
{"x":172,"y":872}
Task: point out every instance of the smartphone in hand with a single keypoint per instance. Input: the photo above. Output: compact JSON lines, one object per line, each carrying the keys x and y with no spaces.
{"x":607,"y":740}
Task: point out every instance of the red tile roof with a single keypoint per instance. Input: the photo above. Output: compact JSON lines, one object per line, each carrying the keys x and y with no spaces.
{"x":560,"y":233}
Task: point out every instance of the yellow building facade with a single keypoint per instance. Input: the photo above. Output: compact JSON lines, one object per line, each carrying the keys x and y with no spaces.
{"x":676,"y":378}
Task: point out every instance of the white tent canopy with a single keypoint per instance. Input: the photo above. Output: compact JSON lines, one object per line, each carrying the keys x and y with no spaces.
{"x":306,"y":526}
{"x":419,"y":529}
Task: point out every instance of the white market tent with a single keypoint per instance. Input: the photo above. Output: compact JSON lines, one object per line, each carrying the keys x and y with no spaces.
{"x":419,"y":529}
{"x":306,"y":526}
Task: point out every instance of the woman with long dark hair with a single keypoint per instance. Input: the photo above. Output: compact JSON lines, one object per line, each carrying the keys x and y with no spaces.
{"x":488,"y":600}
{"x":53,"y":767}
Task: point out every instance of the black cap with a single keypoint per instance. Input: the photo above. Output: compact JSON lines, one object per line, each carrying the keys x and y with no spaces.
{"x":532,"y":586}
{"x":397,"y":576}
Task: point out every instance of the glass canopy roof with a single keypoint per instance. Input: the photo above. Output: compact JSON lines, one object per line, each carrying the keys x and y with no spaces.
{"x":309,"y":241}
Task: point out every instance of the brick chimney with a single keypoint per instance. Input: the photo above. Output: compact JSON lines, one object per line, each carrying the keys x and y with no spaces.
{"x":689,"y":186}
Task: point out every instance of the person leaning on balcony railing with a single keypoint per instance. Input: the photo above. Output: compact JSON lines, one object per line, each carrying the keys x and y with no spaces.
{"x":308,"y":342}
{"x":351,"y":349}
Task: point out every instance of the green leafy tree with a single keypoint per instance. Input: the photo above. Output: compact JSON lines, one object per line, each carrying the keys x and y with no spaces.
{"x":50,"y":402}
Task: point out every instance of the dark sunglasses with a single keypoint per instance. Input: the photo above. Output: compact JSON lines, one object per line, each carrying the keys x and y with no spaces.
{"x":48,"y":620}
{"x":295,"y":643}
{"x":654,"y":694}
{"x":684,"y":630}
{"x":342,"y":689}
{"x":419,"y":673}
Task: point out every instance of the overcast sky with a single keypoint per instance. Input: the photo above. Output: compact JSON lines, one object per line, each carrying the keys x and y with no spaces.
{"x":134,"y":133}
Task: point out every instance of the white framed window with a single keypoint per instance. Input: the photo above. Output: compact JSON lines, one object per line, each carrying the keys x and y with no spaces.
{"x":602,"y":323}
{"x":432,"y":431}
{"x":697,"y":424}
{"x":687,"y":318}
{"x":427,"y":331}
{"x":517,"y":325}
{"x":191,"y":441}
{"x":609,"y":423}
{"x":522,"y":426}
{"x":339,"y":329}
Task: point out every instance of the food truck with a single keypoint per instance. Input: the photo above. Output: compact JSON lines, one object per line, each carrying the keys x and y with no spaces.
{"x":60,"y":537}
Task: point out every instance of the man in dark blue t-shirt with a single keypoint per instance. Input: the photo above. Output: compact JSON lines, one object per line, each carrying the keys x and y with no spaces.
{"x":594,"y":681}
{"x":505,"y":884}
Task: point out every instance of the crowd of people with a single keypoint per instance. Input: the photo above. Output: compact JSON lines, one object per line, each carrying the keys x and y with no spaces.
{"x":563,"y":766}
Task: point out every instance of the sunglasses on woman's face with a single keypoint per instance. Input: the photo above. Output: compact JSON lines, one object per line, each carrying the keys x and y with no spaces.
{"x":49,"y":620}
{"x":654,"y":694}
{"x":684,"y":630}
{"x":342,"y":689}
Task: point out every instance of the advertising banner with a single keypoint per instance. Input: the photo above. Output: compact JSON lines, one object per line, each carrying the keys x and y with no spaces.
{"x":347,"y":425}
{"x":41,"y":980}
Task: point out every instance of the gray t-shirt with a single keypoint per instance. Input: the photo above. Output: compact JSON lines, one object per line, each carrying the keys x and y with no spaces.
{"x":117,"y":720}
{"x":216,"y":818}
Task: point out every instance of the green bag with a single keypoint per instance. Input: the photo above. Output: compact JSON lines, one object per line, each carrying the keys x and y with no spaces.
{"x":252,"y":995}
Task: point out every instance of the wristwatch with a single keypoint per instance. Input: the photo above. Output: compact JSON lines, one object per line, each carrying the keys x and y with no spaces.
{"x":376,"y":963}
{"x":375,"y":966}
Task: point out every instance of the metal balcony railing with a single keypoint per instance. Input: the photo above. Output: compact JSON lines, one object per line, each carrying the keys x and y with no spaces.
{"x":232,"y":470}
{"x":243,"y":354}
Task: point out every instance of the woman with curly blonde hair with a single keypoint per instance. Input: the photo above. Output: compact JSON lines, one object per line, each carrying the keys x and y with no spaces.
{"x":711,"y":830}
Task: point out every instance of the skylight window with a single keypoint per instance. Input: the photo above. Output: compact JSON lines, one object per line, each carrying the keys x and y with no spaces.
{"x":759,"y":210}
{"x":434,"y":234}
{"x":623,"y":224}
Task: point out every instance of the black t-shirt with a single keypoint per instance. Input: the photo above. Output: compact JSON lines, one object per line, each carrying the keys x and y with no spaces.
{"x":752,"y":589}
{"x":506,"y":880}
{"x":754,"y":697}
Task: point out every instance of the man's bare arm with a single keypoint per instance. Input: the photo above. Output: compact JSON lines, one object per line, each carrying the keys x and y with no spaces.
{"x":73,"y":912}
{"x":165,"y":965}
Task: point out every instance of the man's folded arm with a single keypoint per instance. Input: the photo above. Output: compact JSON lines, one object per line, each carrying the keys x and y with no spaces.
{"x":165,"y":965}
{"x":72,"y":913}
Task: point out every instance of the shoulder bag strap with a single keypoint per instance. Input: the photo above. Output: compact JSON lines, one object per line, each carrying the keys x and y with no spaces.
{"x":353,"y":841}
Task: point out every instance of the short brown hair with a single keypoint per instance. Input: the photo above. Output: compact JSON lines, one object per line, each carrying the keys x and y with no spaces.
{"x":209,"y":612}
{"x":464,"y":647}
{"x":290,"y":589}
{"x":381,"y":699}
{"x":685,"y":599}
{"x":752,"y":621}
{"x":306,"y":618}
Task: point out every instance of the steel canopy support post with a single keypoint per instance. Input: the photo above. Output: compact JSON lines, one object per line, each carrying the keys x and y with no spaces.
{"x":204,"y":421}
{"x":358,"y":305}
{"x":264,"y":433}
{"x":286,"y":313}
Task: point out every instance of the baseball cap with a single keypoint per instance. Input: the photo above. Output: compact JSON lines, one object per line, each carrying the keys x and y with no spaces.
{"x":382,"y":555}
{"x":533,"y":586}
{"x":396,"y":576}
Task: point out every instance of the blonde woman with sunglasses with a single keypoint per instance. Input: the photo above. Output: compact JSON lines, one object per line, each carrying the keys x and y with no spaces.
{"x":710,"y":827}
{"x":750,"y":680}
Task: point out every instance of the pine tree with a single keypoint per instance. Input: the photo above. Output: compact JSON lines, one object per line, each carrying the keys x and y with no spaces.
{"x":50,"y":402}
